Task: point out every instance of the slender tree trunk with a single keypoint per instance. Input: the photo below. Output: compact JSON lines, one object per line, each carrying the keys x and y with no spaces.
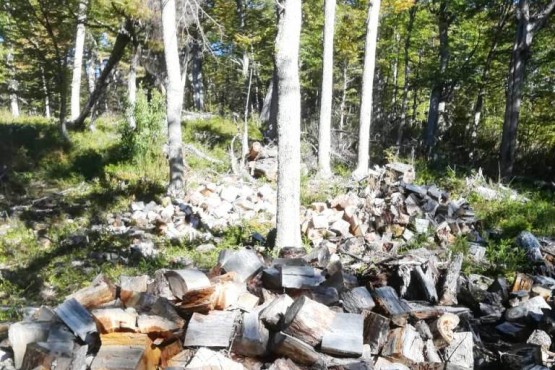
{"x":289,"y":124}
{"x":406,"y":61}
{"x":393,"y":112}
{"x":268,"y":114}
{"x":324,"y":130}
{"x":78,"y":59}
{"x":527,"y":27}
{"x":46,"y":93}
{"x":12,"y":85}
{"x":198,"y":85}
{"x":438,"y":90}
{"x":174,"y":99}
{"x":343,"y":101}
{"x":132,"y":85}
{"x":118,"y":50}
{"x":367,"y":82}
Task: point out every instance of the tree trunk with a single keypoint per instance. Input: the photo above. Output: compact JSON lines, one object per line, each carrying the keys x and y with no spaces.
{"x":343,"y":102}
{"x":437,"y":94}
{"x":288,"y":124}
{"x":367,"y":82}
{"x":12,"y":85}
{"x":121,"y":42}
{"x":132,"y":85}
{"x":268,"y":115}
{"x":46,"y":93}
{"x":198,"y":85}
{"x":324,"y":130}
{"x":78,"y":59}
{"x":174,"y":99}
{"x":406,"y":60}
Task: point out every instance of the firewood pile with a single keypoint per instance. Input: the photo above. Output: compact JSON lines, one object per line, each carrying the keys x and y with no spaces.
{"x":299,"y":310}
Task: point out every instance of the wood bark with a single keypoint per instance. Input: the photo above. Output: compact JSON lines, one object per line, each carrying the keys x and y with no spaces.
{"x":527,"y":27}
{"x":449,"y":289}
{"x":46,"y":93}
{"x":78,"y":59}
{"x":289,"y":124}
{"x":268,"y":114}
{"x":308,"y":320}
{"x":132,"y":85}
{"x":367,"y":89}
{"x":174,"y":99}
{"x":196,"y":72}
{"x":324,"y":129}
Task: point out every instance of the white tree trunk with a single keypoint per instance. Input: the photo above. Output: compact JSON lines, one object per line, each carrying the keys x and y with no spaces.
{"x":289,"y":124}
{"x":46,"y":93}
{"x":174,"y":98}
{"x":367,"y":82}
{"x":78,"y":60}
{"x":324,"y":130}
{"x":12,"y":85}
{"x":132,"y":86}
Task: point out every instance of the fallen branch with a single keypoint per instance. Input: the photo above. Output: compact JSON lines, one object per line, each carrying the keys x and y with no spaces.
{"x":191,"y":149}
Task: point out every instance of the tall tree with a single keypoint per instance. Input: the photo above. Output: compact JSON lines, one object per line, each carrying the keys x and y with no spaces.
{"x":12,"y":85}
{"x":367,"y":89}
{"x":528,"y":25}
{"x":78,"y":59}
{"x":174,"y":98}
{"x":324,"y":129}
{"x":132,"y":84}
{"x":288,"y":123}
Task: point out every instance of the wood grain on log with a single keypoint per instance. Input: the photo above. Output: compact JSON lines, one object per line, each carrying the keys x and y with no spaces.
{"x":295,"y":349}
{"x":213,"y":330}
{"x":99,"y":292}
{"x":308,"y":320}
{"x":376,"y":329}
{"x":442,"y":329}
{"x":387,"y":300}
{"x":275,"y":311}
{"x":345,"y":337}
{"x":449,"y":288}
{"x":252,"y":339}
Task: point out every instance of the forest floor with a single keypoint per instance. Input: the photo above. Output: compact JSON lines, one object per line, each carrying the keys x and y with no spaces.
{"x":52,"y":196}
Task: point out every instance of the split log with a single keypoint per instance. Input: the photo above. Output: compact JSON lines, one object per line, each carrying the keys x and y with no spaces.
{"x":207,"y":359}
{"x":180,"y":360}
{"x":383,"y":364}
{"x":283,"y":364}
{"x":40,"y":356}
{"x":357,"y":300}
{"x":442,"y":329}
{"x":245,"y":263}
{"x":275,"y":311}
{"x":183,"y":281}
{"x":345,"y":337}
{"x":252,"y":339}
{"x":513,"y":330}
{"x":531,"y":307}
{"x":212,"y":330}
{"x":387,"y":300}
{"x":146,"y":303}
{"x":322,"y":294}
{"x":247,"y":301}
{"x":77,"y":318}
{"x":459,"y":352}
{"x":110,"y":320}
{"x":427,"y":284}
{"x":376,"y":328}
{"x":271,"y":278}
{"x":168,"y":350}
{"x":449,"y":289}
{"x":226,"y":294}
{"x":430,"y":352}
{"x":134,"y":283}
{"x":149,"y":324}
{"x":308,"y":320}
{"x":160,"y":286}
{"x":201,"y":300}
{"x":99,"y":292}
{"x":22,"y":333}
{"x":298,"y":277}
{"x":522,"y":282}
{"x":126,"y":351}
{"x":297,"y":350}
{"x":404,"y":345}
{"x":258,"y":151}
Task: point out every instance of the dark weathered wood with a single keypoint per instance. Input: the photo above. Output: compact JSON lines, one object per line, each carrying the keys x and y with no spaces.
{"x":345,"y":337}
{"x":74,"y":315}
{"x":341,"y":281}
{"x":442,"y":329}
{"x":459,"y":352}
{"x":297,"y":350}
{"x":531,"y":307}
{"x":186,"y":280}
{"x":40,"y":356}
{"x":245,"y":263}
{"x":387,"y":300}
{"x":115,"y":319}
{"x":252,"y":339}
{"x":308,"y":320}
{"x":357,"y":300}
{"x":213,"y":330}
{"x":101,"y":291}
{"x":275,"y":311}
{"x":449,"y":288}
{"x":298,"y":277}
{"x":22,"y":333}
{"x":325,"y":295}
{"x":427,"y":284}
{"x":376,"y":329}
{"x":404,"y":345}
{"x":271,"y":278}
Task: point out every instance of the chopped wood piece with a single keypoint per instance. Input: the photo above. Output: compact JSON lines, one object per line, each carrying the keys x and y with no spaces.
{"x":271,"y":278}
{"x":531,"y":307}
{"x":40,"y":356}
{"x":300,"y":277}
{"x":513,"y":330}
{"x":357,"y":300}
{"x":427,"y":284}
{"x":134,"y":283}
{"x":148,"y":324}
{"x":201,"y":300}
{"x":183,"y":281}
{"x":295,"y":349}
{"x":207,"y":359}
{"x":404,"y":345}
{"x":115,"y":319}
{"x":160,"y":286}
{"x":376,"y":328}
{"x":169,"y":350}
{"x":247,"y":301}
{"x":522,"y":282}
{"x":212,"y":330}
{"x":442,"y":329}
{"x":430,"y":352}
{"x":283,"y":364}
{"x":449,"y":289}
{"x":383,"y":364}
{"x":74,"y":315}
{"x":273,"y":313}
{"x":245,"y":263}
{"x":308,"y":320}
{"x":124,"y":351}
{"x":181,"y":359}
{"x":99,"y":292}
{"x":345,"y":337}
{"x":22,"y":333}
{"x":460,"y":351}
{"x":387,"y":300}
{"x":325,"y":295}
{"x":252,"y":339}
